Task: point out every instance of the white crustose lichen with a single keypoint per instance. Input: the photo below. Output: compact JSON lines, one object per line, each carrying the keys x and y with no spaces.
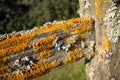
{"x":112,"y":21}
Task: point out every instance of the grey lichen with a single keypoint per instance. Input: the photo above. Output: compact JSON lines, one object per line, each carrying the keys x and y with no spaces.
{"x":113,"y":78}
{"x":84,"y":5}
{"x":106,"y":57}
{"x":91,"y":74}
{"x":112,"y":21}
{"x":113,"y":1}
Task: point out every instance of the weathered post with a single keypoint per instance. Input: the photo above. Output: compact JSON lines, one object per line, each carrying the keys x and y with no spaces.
{"x":106,"y":63}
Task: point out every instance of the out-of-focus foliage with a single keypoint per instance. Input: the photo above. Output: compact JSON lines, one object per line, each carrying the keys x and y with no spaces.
{"x":25,"y":14}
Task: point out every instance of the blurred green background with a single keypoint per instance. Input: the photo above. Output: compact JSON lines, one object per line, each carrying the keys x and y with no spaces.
{"x":18,"y":15}
{"x":74,"y":71}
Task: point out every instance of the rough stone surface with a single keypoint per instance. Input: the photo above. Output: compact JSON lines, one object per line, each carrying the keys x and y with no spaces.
{"x":106,"y":64}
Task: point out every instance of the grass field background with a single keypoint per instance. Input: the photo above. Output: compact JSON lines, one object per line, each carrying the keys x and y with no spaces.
{"x":75,"y":71}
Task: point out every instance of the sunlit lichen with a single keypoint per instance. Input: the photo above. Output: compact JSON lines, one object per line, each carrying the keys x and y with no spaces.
{"x":44,"y":44}
{"x":45,"y":54}
{"x":106,"y":43}
{"x":15,"y":44}
{"x":100,"y":7}
{"x":112,"y":22}
{"x":55,"y":63}
{"x":37,"y":69}
{"x":73,"y":56}
{"x":84,"y":5}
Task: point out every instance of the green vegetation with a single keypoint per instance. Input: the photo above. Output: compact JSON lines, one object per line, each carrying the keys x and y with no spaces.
{"x":25,"y":14}
{"x":75,"y":71}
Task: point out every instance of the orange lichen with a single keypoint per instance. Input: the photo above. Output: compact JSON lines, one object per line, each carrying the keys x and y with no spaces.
{"x":100,"y":7}
{"x":69,"y":41}
{"x":105,"y":1}
{"x":5,"y":37}
{"x":53,"y":27}
{"x":73,"y":20}
{"x":85,"y":25}
{"x":40,"y":30}
{"x":55,"y":63}
{"x":16,"y":35}
{"x":99,"y":12}
{"x":4,"y":69}
{"x":14,"y":44}
{"x":46,"y":54}
{"x":18,"y":43}
{"x":44,"y":44}
{"x":73,"y":56}
{"x":3,"y":60}
{"x":98,"y":3}
{"x":106,"y":43}
{"x":103,"y":48}
{"x":41,"y":67}
{"x":67,"y":26}
{"x":37,"y":69}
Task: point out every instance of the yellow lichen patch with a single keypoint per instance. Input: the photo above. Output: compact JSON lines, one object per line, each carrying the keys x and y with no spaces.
{"x":55,"y":63}
{"x":73,"y":56}
{"x":84,"y":22}
{"x":103,"y":48}
{"x":98,"y":3}
{"x":37,"y":70}
{"x":105,"y":1}
{"x":3,"y":60}
{"x":99,"y":12}
{"x":44,"y":44}
{"x":106,"y":43}
{"x":15,"y":44}
{"x":85,"y":25}
{"x":72,"y":40}
{"x":40,"y":30}
{"x":4,"y":69}
{"x":42,"y":67}
{"x":100,"y":7}
{"x":45,"y":54}
{"x":73,"y":20}
{"x":53,"y":27}
{"x":16,"y":35}
{"x":88,"y":19}
{"x":69,"y":41}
